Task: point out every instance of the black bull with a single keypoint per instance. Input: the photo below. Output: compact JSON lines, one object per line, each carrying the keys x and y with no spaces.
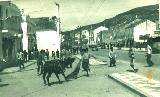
{"x":56,"y":66}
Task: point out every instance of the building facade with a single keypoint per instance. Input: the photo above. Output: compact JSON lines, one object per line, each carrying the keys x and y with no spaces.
{"x":11,"y":33}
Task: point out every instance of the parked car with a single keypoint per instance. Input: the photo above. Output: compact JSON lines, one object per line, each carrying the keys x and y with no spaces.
{"x":94,"y":47}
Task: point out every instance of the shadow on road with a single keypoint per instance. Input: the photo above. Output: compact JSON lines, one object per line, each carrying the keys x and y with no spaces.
{"x":130,"y":70}
{"x":19,"y":70}
{"x":2,"y":85}
{"x":57,"y":82}
{"x":29,"y":69}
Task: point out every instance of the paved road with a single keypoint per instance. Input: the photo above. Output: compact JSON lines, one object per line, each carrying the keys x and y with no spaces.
{"x":123,"y":62}
{"x":28,"y":84}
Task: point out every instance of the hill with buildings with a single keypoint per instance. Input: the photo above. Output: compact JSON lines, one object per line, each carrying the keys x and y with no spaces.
{"x":146,"y":12}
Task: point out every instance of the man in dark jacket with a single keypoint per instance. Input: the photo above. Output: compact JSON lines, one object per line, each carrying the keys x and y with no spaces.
{"x":47,"y":54}
{"x":40,"y":61}
{"x":57,"y":53}
{"x":25,"y":54}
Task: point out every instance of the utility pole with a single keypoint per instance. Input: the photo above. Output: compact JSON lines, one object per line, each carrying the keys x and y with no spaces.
{"x":58,"y":24}
{"x":159,"y":15}
{"x":25,"y":31}
{"x":80,"y":36}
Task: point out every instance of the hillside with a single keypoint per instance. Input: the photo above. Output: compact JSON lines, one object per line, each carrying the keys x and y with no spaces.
{"x":146,"y":12}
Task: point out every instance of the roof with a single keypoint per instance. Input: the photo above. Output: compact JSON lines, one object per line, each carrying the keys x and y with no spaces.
{"x":44,"y":23}
{"x":134,"y":23}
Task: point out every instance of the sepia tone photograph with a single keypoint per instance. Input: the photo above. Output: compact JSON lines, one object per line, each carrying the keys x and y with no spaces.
{"x":79,"y":48}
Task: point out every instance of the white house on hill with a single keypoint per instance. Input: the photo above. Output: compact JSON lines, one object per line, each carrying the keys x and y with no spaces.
{"x":141,"y":27}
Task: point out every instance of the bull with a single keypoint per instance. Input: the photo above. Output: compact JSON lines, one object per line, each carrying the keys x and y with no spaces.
{"x":56,"y":66}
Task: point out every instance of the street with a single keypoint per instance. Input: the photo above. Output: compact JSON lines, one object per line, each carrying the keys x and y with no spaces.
{"x":28,"y":84}
{"x":34,"y":30}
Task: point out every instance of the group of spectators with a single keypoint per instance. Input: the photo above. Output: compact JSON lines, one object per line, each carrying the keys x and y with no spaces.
{"x":22,"y":57}
{"x":43,"y":56}
{"x":112,"y":57}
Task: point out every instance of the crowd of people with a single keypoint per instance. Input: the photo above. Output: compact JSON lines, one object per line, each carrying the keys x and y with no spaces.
{"x":131,"y":55}
{"x":65,"y":54}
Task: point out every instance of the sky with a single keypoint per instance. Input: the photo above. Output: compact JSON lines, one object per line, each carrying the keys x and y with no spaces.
{"x":75,"y":13}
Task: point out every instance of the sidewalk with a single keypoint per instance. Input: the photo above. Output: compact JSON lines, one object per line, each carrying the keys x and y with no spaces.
{"x":16,"y":69}
{"x":145,"y":86}
{"x":145,"y":82}
{"x":135,"y":49}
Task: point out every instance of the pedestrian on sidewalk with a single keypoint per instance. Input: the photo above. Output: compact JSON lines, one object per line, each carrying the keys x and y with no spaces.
{"x":132,"y":59}
{"x":112,"y":57}
{"x":20,"y":60}
{"x":149,"y":55}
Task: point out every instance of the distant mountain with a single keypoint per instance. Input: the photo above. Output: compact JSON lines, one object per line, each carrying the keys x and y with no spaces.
{"x":146,"y":12}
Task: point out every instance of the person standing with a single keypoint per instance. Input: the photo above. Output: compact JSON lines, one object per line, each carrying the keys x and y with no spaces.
{"x":149,"y":55}
{"x":40,"y":61}
{"x":85,"y":61}
{"x":57,"y":53}
{"x":132,"y":59}
{"x":47,"y":54}
{"x":25,"y":54}
{"x":20,"y":60}
{"x":112,"y":57}
{"x":67,"y":57}
{"x":36,"y":54}
{"x":77,"y":49}
{"x":62,"y":54}
{"x":29,"y":54}
{"x":53,"y":54}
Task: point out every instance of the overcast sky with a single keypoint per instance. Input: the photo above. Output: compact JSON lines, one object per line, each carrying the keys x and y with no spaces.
{"x":75,"y":13}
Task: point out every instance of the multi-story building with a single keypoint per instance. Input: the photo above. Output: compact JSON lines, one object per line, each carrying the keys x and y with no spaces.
{"x":10,"y":31}
{"x":29,"y":33}
{"x":47,"y":36}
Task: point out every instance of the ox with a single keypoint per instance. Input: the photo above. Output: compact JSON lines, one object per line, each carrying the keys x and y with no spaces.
{"x":56,"y":66}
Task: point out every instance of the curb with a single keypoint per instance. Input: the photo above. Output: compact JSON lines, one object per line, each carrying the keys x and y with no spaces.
{"x":141,"y":85}
{"x":14,"y":71}
{"x":130,"y":88}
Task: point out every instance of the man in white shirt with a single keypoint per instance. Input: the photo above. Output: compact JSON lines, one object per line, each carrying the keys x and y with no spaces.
{"x":20,"y":60}
{"x":148,"y":55}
